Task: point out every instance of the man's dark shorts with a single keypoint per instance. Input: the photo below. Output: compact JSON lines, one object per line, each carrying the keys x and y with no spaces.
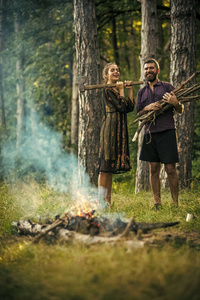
{"x":162,"y":147}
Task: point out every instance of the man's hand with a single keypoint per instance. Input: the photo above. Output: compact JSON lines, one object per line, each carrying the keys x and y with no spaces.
{"x":151,"y":107}
{"x":172,"y":99}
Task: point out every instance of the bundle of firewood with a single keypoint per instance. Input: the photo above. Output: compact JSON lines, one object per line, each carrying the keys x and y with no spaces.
{"x":183,"y":95}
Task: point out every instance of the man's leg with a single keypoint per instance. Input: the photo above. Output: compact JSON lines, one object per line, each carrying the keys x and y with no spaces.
{"x":155,"y":181}
{"x":173,"y":181}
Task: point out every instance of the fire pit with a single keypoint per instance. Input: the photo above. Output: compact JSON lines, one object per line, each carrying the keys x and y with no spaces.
{"x":87,"y":228}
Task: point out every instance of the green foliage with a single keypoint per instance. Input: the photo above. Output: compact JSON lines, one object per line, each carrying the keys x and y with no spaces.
{"x":46,"y":45}
{"x":45,"y":42}
{"x":119,"y":27}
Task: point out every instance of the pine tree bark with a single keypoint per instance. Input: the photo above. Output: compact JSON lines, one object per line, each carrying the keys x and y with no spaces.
{"x":149,"y":44}
{"x":75,"y":110}
{"x":88,"y":64}
{"x":182,"y":66}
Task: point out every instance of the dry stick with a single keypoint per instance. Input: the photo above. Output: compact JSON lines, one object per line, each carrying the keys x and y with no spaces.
{"x":179,"y":92}
{"x":128,"y":227}
{"x":189,"y":99}
{"x":49,"y":228}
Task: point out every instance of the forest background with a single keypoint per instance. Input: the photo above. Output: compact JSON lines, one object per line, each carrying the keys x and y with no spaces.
{"x":39,"y":157}
{"x":37,"y":61}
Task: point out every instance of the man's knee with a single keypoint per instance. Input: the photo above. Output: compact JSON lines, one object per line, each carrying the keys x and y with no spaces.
{"x":155,"y":169}
{"x":170,"y":169}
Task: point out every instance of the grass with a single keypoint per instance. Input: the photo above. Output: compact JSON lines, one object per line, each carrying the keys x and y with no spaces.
{"x":100,"y":272}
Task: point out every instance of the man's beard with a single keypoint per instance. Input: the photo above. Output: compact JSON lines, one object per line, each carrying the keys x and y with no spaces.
{"x":151,"y":77}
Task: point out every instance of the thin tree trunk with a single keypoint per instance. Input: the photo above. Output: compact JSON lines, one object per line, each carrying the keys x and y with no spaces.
{"x":3,"y":119}
{"x":149,"y":44}
{"x":183,"y":64}
{"x":20,"y":88}
{"x":75,"y":110}
{"x":88,"y":64}
{"x":114,"y":40}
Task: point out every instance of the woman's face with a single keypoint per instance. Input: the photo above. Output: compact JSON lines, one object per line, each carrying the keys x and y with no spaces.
{"x":113,"y":74}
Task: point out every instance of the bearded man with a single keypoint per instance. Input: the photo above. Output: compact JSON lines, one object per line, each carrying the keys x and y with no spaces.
{"x":159,"y":144}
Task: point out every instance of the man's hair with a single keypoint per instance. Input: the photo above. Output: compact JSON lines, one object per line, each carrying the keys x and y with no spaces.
{"x":152,"y":60}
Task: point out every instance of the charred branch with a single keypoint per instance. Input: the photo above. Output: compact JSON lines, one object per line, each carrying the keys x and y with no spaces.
{"x":87,"y":229}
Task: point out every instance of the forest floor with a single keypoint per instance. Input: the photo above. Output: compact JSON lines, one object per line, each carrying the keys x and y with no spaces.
{"x":166,"y":267}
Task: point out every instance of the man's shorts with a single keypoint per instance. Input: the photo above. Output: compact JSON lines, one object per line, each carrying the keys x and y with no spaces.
{"x":160,"y":147}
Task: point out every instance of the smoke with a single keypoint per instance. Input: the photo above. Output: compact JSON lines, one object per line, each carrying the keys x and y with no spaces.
{"x":41,"y":156}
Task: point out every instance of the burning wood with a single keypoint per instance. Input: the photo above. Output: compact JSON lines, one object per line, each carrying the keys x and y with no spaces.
{"x":88,"y":228}
{"x":181,"y":93}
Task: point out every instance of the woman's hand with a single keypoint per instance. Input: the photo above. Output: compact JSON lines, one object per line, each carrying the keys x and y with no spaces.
{"x":120,"y":87}
{"x":128,"y":84}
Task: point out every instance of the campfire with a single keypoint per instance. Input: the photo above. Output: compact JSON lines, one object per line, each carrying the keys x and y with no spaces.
{"x":84,"y":226}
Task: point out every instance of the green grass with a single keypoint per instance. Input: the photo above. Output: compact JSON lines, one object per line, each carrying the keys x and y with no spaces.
{"x":101,"y":272}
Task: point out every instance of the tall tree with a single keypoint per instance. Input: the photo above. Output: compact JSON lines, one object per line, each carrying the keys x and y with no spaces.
{"x":88,"y":64}
{"x":3,"y":119}
{"x":149,"y":44}
{"x":183,"y":65}
{"x":75,"y":110}
{"x":20,"y":84}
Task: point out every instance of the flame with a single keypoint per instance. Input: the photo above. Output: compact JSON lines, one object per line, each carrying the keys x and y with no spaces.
{"x":85,"y":205}
{"x":84,"y":209}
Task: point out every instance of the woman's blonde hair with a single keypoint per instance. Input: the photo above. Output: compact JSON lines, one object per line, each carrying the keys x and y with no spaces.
{"x":105,"y":71}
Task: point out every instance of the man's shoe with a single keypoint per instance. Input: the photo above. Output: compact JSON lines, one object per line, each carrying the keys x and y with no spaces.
{"x":157,"y":206}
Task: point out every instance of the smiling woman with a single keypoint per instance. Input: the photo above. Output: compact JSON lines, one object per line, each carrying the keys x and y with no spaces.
{"x":114,"y":151}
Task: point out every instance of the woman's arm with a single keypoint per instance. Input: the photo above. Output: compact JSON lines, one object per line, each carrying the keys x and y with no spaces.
{"x":118,"y":101}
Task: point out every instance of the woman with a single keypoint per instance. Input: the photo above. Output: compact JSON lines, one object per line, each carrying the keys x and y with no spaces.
{"x":114,"y":150}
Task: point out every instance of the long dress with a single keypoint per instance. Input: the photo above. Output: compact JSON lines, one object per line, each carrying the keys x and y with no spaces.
{"x":114,"y":149}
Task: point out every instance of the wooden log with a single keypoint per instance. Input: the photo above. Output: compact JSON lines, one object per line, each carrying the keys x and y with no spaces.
{"x":50,"y":227}
{"x":72,"y":236}
{"x":128,"y":227}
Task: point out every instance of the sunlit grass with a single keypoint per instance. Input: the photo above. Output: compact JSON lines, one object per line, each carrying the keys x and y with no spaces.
{"x":102,"y":272}
{"x":99,"y":272}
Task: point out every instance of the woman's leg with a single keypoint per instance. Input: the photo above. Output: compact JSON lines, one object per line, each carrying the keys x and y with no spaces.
{"x":109,"y":187}
{"x":105,"y":186}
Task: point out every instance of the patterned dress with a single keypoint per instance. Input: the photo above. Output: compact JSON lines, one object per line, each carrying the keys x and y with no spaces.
{"x":114,"y":148}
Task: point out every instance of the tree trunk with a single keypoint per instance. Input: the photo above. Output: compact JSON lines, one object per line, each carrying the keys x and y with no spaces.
{"x":20,"y":88}
{"x":3,"y":119}
{"x":149,"y":44}
{"x":88,"y":64}
{"x":75,"y":110}
{"x":114,"y":40}
{"x":182,"y":66}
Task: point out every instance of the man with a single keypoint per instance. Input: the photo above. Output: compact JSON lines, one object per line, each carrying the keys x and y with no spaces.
{"x":159,"y":144}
